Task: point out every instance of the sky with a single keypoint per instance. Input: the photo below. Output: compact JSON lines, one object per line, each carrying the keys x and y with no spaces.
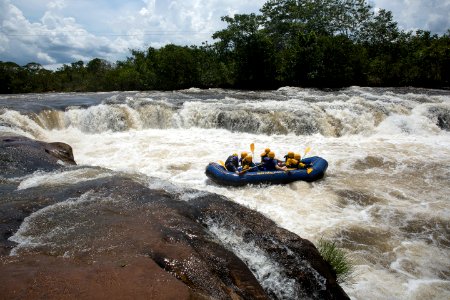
{"x":55,"y":32}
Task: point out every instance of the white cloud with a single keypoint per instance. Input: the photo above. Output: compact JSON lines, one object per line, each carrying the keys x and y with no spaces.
{"x":45,"y":57}
{"x":431,"y":15}
{"x":57,"y":4}
{"x":55,"y":39}
{"x":180,"y":22}
{"x":144,"y":12}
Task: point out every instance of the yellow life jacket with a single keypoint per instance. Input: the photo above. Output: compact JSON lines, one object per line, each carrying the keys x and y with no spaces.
{"x":291,"y":163}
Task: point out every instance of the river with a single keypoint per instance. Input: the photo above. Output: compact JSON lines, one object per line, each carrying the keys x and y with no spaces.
{"x":384,"y":199}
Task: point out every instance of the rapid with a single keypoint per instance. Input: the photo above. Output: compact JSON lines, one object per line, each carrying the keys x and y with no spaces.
{"x":384,"y":198}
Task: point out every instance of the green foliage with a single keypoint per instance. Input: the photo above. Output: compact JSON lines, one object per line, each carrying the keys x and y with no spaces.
{"x":318,"y":43}
{"x":284,"y":19}
{"x":247,"y":50}
{"x":341,"y":263}
{"x":96,"y":70}
{"x":175,"y":68}
{"x":212,"y":72}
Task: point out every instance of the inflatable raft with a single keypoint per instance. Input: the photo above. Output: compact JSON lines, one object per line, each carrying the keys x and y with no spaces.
{"x":317,"y":168}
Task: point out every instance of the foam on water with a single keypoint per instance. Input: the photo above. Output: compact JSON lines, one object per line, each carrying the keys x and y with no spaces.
{"x":14,"y":122}
{"x":61,"y":178}
{"x":43,"y":229}
{"x":267,"y":272}
{"x":302,"y":112}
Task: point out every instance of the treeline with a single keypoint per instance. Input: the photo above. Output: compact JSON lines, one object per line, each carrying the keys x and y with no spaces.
{"x":311,"y":43}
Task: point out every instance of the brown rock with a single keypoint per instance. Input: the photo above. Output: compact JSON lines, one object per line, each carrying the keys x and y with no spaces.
{"x":45,"y":277}
{"x":20,"y":156}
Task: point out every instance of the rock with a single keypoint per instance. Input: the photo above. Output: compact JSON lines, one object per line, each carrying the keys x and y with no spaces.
{"x":47,"y":277}
{"x":20,"y":156}
{"x":117,"y":219}
{"x":299,"y":258}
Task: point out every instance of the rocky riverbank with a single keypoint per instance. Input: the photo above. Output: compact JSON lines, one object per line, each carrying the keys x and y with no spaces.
{"x":113,"y":236}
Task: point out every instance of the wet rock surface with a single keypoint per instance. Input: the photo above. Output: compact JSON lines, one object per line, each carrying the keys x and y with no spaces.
{"x":299,"y":259}
{"x":20,"y":156}
{"x":118,"y":220}
{"x":114,"y":237}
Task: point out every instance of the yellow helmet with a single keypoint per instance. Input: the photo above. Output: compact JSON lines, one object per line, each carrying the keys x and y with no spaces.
{"x":234,"y":154}
{"x":267,"y":150}
{"x":297,"y":156}
{"x":271,"y":154}
{"x":243,"y":154}
{"x":290,"y":154}
{"x":248,"y":158}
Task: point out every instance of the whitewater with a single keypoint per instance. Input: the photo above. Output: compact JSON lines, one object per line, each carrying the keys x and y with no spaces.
{"x":384,"y":198}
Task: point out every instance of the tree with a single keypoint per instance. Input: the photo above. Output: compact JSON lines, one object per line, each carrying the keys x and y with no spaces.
{"x":212,"y":71}
{"x":124,"y":77}
{"x":284,"y":19}
{"x":143,"y":63}
{"x":247,"y":50}
{"x":9,"y":82}
{"x":175,"y":68}
{"x":380,"y":30}
{"x":96,"y":72}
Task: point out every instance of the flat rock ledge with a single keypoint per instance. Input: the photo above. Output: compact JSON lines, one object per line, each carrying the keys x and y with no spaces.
{"x":115,"y":238}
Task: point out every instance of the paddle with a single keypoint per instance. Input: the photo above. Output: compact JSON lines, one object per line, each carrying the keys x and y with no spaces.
{"x":222,"y":164}
{"x":308,"y":170}
{"x":252,"y":149}
{"x":306,"y":151}
{"x":251,"y":168}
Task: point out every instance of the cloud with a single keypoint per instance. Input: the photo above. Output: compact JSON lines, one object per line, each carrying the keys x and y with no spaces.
{"x":179,"y":21}
{"x":431,"y":15}
{"x":54,"y":39}
{"x":67,"y":31}
{"x":57,"y":4}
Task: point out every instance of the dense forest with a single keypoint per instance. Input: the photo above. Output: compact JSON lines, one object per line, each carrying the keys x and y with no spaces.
{"x":309,"y":43}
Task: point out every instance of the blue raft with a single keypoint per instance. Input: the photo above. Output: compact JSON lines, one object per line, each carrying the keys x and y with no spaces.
{"x":220,"y":175}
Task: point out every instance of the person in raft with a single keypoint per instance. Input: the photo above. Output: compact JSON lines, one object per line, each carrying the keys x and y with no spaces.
{"x":248,"y":165}
{"x":270,"y":163}
{"x":295,"y":162}
{"x":232,"y":163}
{"x":243,"y":156}
{"x":287,"y":158}
{"x":292,"y":163}
{"x":265,"y":154}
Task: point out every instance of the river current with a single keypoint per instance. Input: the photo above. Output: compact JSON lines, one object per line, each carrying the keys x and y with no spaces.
{"x":385,"y":198}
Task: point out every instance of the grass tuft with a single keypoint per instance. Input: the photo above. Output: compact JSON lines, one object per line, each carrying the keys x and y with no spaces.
{"x":342,"y":264}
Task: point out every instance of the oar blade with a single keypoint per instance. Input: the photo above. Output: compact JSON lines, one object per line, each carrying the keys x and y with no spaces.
{"x":306,"y":151}
{"x":252,"y":147}
{"x":221,"y":163}
{"x":309,"y":170}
